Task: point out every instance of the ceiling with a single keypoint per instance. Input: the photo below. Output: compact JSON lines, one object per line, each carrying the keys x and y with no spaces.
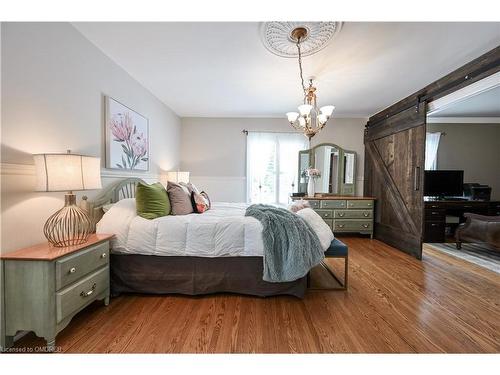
{"x":222,"y":69}
{"x":485,"y":104}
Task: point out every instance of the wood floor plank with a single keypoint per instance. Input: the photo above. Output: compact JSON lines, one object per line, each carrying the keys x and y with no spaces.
{"x":395,"y":304}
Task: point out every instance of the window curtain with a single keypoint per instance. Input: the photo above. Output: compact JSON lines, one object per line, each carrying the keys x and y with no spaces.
{"x":431,"y":150}
{"x":272,"y":163}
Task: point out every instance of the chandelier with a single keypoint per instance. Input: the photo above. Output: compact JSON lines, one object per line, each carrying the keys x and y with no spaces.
{"x":309,"y":120}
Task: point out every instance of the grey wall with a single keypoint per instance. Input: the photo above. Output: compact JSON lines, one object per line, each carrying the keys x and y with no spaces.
{"x":53,"y":84}
{"x":475,"y":148}
{"x":214,"y":150}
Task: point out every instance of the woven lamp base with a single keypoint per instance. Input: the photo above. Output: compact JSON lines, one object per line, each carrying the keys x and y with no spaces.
{"x":69,"y":226}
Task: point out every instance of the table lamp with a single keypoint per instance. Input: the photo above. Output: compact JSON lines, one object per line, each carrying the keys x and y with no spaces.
{"x":176,"y":176}
{"x":67,"y":172}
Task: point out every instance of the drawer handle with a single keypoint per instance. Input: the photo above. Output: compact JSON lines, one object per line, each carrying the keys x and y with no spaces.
{"x":326,"y":215}
{"x":365,"y":225}
{"x":369,"y":204}
{"x":86,"y":294}
{"x":103,"y":255}
{"x":341,"y":225}
{"x":434,"y":213}
{"x":366,"y":214}
{"x":341,"y":214}
{"x":434,"y":225}
{"x":72,"y":270}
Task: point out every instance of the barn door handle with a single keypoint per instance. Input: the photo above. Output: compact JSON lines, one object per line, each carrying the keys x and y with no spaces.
{"x":417,"y":179}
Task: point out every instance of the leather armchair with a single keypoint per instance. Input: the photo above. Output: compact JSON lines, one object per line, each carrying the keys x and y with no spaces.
{"x":479,"y":228}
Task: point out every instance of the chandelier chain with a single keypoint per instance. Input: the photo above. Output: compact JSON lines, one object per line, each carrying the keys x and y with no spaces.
{"x":300,"y":69}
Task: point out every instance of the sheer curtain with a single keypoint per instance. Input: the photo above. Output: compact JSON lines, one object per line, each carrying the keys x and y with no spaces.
{"x":431,"y":149}
{"x":272,"y":163}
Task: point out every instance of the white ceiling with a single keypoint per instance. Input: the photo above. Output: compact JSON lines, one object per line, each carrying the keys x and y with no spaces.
{"x":221,"y":69}
{"x":485,"y":104}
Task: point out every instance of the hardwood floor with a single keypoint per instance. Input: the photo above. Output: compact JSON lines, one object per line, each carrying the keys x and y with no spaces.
{"x":395,"y":303}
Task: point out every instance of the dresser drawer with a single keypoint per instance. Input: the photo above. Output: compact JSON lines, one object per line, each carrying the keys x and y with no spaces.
{"x":79,"y":295}
{"x":353,"y":214}
{"x":329,"y":222}
{"x":314,"y":204}
{"x":352,"y":225}
{"x":325,"y":214}
{"x":359,"y":203}
{"x":333,"y":204}
{"x":73,"y":267}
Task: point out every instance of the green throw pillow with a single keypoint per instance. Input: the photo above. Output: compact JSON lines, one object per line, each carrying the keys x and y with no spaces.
{"x":152,"y":201}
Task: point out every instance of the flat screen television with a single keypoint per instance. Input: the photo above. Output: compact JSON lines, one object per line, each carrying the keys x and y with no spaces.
{"x":444,"y":183}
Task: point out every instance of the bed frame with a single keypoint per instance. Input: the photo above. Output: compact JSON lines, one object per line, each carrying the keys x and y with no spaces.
{"x":135,"y":273}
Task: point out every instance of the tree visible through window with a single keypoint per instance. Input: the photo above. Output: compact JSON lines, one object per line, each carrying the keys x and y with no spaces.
{"x":272,"y":163}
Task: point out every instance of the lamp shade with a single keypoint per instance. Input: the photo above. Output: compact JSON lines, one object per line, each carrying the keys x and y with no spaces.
{"x":67,"y":172}
{"x":176,"y":176}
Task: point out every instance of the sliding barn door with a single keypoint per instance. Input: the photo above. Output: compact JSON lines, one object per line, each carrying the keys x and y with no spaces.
{"x":394,"y":166}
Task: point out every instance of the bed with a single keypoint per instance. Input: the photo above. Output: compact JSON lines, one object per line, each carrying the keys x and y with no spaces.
{"x":218,"y":251}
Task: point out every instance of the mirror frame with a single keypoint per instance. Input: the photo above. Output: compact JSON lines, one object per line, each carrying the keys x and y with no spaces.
{"x":344,"y":188}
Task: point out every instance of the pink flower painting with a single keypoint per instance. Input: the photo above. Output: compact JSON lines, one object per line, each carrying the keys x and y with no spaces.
{"x":127,"y":137}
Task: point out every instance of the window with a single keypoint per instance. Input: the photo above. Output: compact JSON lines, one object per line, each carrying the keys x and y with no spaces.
{"x":431,"y":150}
{"x":272,"y":163}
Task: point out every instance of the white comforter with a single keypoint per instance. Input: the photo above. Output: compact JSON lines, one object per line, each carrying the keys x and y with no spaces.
{"x":222,"y":231}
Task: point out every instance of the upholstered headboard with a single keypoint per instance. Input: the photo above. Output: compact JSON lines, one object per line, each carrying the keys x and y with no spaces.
{"x":111,"y":194}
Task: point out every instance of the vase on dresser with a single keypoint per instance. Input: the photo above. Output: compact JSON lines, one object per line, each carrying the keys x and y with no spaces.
{"x":310,"y":187}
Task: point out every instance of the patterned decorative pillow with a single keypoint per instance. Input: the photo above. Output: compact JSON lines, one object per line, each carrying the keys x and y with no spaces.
{"x":200,"y":202}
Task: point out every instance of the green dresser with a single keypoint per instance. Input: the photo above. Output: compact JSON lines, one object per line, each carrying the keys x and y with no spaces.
{"x":345,"y":214}
{"x":46,"y":286}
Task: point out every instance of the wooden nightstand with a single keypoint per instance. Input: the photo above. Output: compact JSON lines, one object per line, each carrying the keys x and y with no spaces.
{"x":46,"y":286}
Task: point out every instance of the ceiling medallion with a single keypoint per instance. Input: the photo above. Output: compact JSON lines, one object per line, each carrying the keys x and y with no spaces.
{"x":278,"y":37}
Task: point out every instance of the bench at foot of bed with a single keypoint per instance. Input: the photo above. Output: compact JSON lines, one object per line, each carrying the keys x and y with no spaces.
{"x":337,"y":249}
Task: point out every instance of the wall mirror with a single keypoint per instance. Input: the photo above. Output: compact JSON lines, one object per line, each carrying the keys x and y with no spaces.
{"x":337,"y":167}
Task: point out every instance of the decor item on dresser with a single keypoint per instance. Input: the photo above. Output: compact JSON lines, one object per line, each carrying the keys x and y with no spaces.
{"x":336,"y":166}
{"x":152,"y":201}
{"x":67,"y":172}
{"x":180,"y":199}
{"x":127,"y":137}
{"x":345,"y":214}
{"x":45,"y":288}
{"x":312,"y":174}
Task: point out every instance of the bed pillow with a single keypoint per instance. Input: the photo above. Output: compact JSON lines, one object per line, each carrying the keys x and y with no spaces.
{"x":299,"y":205}
{"x":152,"y":201}
{"x":200,"y":202}
{"x":180,"y":199}
{"x":319,"y":226}
{"x":191,"y":187}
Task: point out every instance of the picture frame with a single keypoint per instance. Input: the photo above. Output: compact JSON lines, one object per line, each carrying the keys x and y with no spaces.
{"x":127,"y":137}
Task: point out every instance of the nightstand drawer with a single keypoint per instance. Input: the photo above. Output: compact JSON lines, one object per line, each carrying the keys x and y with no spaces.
{"x":352,"y":225}
{"x":325,"y":214}
{"x":77,"y":296}
{"x":360,"y":203}
{"x":333,"y":204}
{"x":75,"y":266}
{"x":353,"y":214}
